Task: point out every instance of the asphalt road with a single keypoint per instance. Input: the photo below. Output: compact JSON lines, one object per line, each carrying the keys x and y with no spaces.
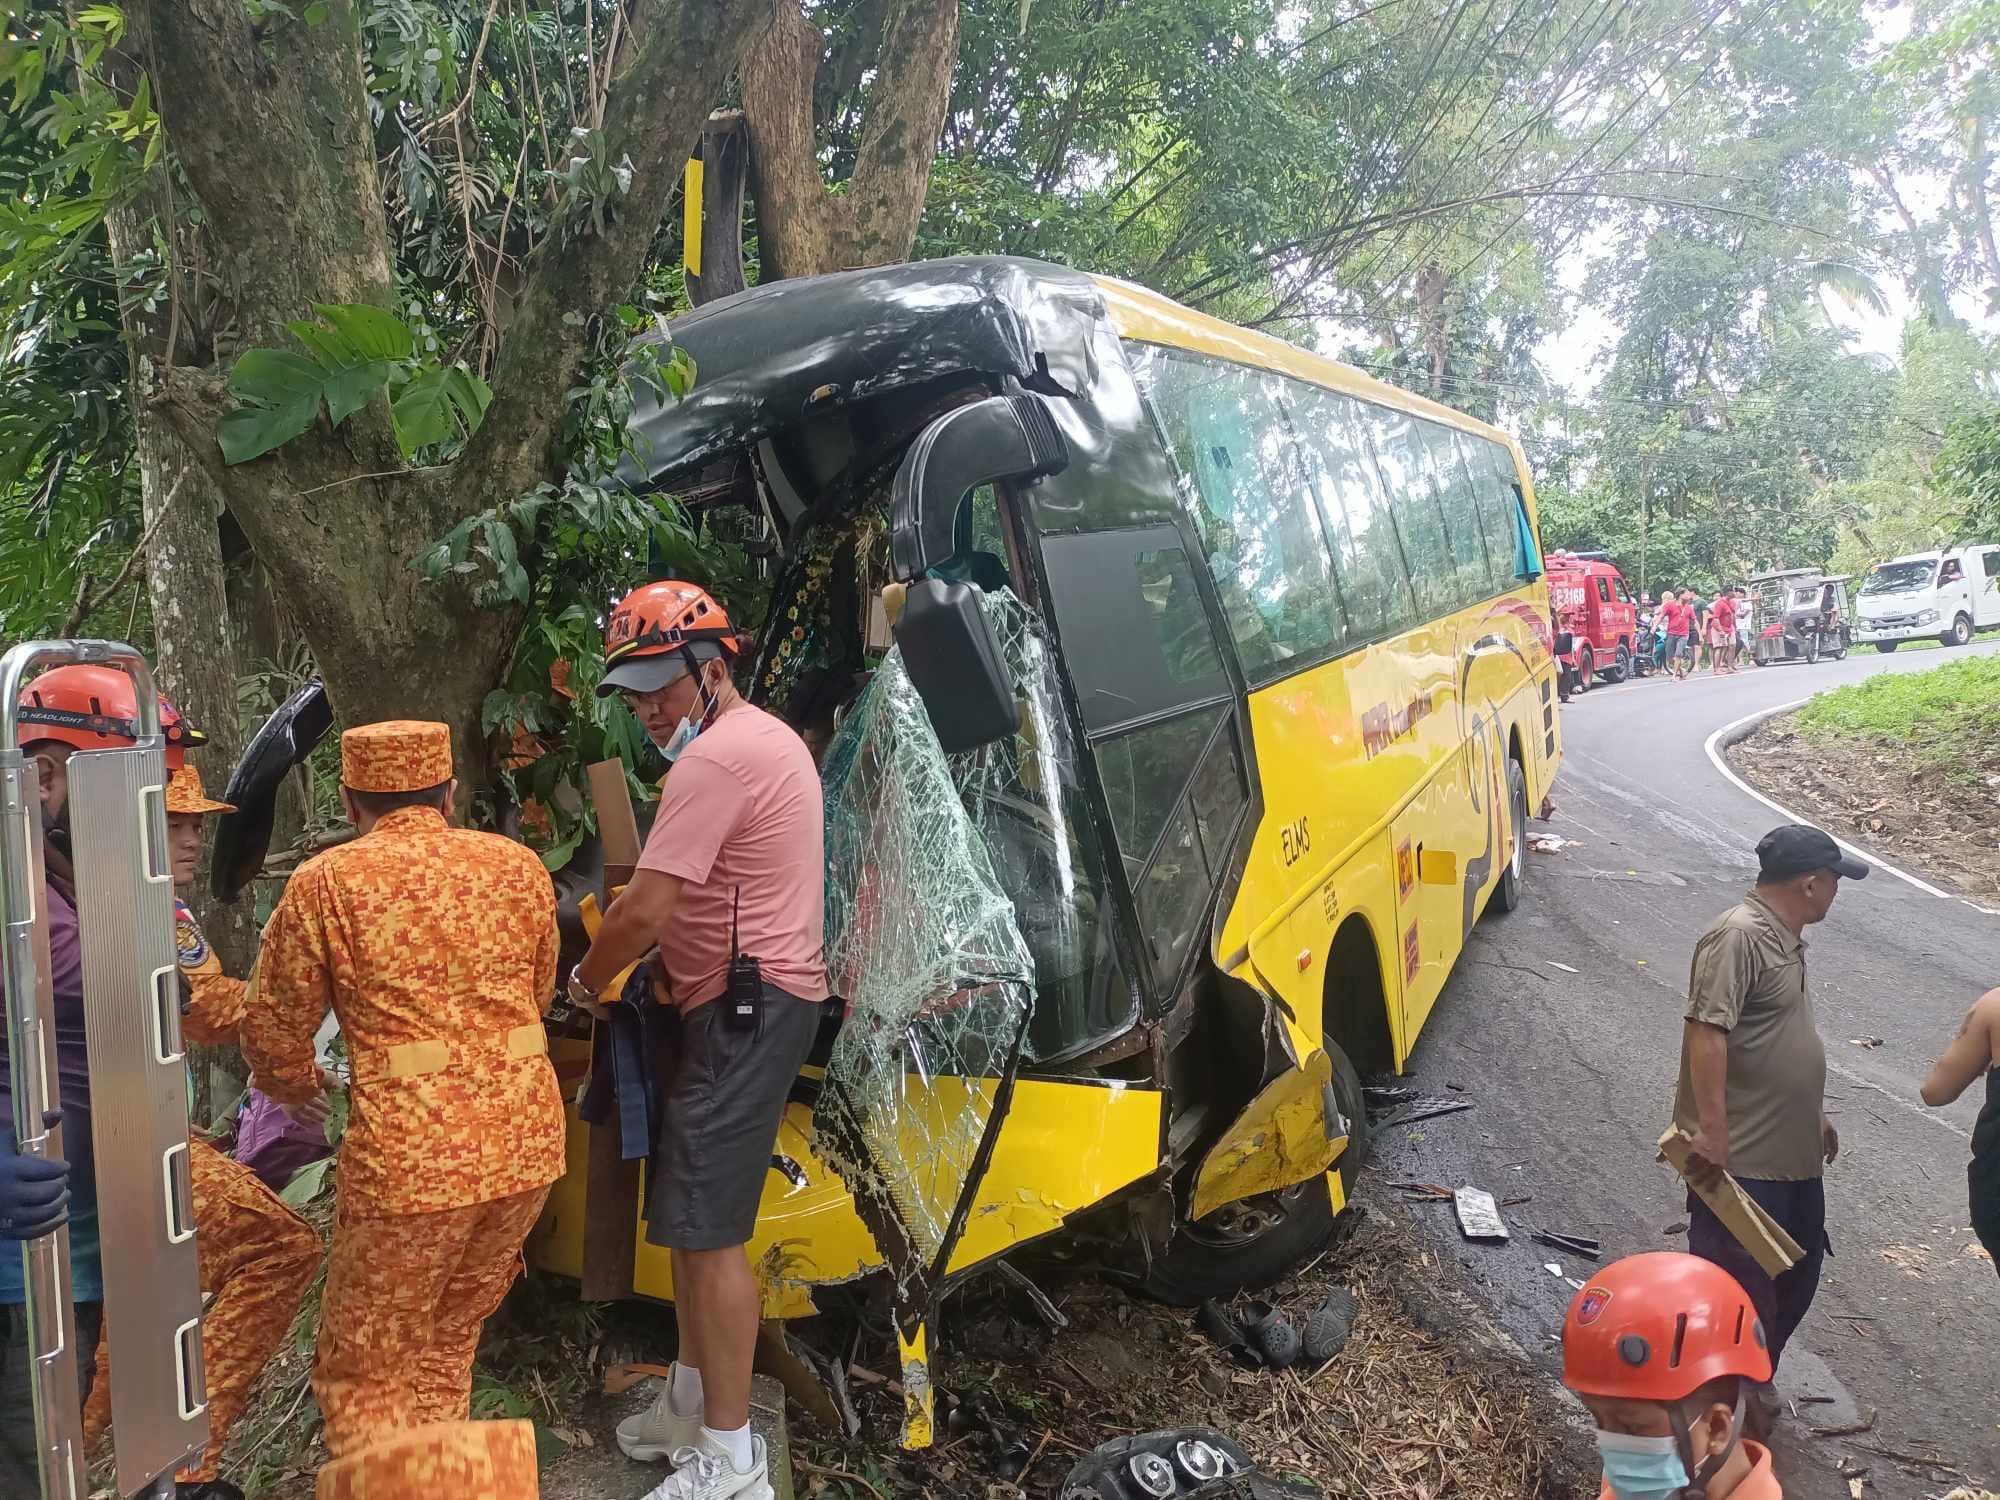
{"x":1563,"y":1022}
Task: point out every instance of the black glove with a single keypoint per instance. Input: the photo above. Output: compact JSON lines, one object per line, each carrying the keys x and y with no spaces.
{"x":34,"y":1190}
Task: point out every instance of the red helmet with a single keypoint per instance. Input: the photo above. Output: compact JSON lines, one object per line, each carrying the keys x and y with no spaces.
{"x":95,"y":708}
{"x":647,"y":639}
{"x":1660,"y":1326}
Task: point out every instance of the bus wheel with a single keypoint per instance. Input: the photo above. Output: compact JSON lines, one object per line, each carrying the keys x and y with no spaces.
{"x":1253,"y":1243}
{"x":1507,"y":894}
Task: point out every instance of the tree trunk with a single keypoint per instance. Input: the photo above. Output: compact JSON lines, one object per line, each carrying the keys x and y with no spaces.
{"x":804,"y":229}
{"x":286,"y":180}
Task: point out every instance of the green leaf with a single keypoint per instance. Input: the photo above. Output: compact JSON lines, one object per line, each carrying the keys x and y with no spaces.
{"x":376,"y":333}
{"x":252,"y":431}
{"x":306,"y":1183}
{"x":348,"y":390}
{"x":422,"y":412}
{"x":469,"y":394}
{"x":331,"y":348}
{"x":273,"y":377}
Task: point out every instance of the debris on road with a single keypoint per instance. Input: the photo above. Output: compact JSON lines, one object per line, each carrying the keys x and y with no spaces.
{"x":1551,"y":843}
{"x":1420,"y":1108}
{"x":1178,"y":1461}
{"x":1571,"y":1244}
{"x":1554,"y":1268}
{"x":1850,"y":1429}
{"x":1865,"y":1041}
{"x":1564,"y":967}
{"x":1423,"y":1192}
{"x":1911,"y":1260}
{"x":1478,"y":1215}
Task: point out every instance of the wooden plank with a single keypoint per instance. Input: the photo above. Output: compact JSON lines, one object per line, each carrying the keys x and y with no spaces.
{"x":617,"y":827}
{"x":1755,"y":1230}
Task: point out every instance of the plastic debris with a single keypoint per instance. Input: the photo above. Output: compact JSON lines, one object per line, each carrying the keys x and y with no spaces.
{"x":1564,"y":967}
{"x":1478,"y":1215}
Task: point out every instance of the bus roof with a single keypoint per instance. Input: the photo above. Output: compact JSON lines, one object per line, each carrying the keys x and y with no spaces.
{"x":1144,"y":315}
{"x":764,"y":356}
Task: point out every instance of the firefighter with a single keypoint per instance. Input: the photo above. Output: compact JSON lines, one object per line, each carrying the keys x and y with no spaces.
{"x":1663,"y":1349}
{"x":257,"y":1256}
{"x":78,"y":707}
{"x":435,"y":948}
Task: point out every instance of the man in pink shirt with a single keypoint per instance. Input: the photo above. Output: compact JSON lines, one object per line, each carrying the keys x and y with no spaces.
{"x":731,"y":888}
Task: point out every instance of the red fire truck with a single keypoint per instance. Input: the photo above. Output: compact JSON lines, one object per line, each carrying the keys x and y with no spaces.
{"x":1593,"y":605}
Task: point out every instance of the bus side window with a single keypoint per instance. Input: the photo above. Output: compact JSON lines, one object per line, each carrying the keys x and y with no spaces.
{"x":1471,"y":578}
{"x":1368,"y":557}
{"x":1399,"y":454}
{"x":1245,"y":488}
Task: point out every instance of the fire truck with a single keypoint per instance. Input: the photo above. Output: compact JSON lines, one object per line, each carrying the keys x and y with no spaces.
{"x":1596,"y":610}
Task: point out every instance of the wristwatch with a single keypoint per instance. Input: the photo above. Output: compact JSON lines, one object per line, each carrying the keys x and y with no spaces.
{"x":582,"y":995}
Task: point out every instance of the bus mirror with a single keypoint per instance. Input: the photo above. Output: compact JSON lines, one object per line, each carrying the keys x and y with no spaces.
{"x":1002,"y":437}
{"x":954,"y":663}
{"x":1437,"y":867}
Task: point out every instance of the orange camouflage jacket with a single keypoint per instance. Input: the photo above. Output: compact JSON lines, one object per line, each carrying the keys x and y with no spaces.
{"x":215,"y":1003}
{"x":435,"y":948}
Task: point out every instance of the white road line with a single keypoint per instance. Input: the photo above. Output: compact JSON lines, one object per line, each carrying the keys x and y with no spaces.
{"x":1920,"y":1110}
{"x":1716,"y":760}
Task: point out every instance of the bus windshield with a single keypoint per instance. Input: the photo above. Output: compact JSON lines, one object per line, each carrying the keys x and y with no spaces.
{"x":1898,"y":577}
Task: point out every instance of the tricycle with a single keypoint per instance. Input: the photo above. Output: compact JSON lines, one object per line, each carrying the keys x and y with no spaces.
{"x":1799,"y":614}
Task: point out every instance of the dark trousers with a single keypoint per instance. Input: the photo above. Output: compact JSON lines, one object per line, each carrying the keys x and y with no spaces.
{"x":19,"y":1474}
{"x":1780,"y":1301}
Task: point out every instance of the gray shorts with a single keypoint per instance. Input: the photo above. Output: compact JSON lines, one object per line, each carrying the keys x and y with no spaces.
{"x":719,"y":1117}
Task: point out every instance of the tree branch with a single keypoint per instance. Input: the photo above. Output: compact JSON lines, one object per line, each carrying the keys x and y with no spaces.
{"x":674,"y":62}
{"x":88,"y":599}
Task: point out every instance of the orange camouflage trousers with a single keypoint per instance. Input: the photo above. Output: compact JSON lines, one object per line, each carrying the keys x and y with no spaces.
{"x":459,"y":1460}
{"x":257,"y":1259}
{"x":406,"y":1297}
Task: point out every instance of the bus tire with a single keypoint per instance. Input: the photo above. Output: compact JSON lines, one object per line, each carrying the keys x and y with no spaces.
{"x":1255,"y":1243}
{"x":1507,"y":894}
{"x":1960,"y":632}
{"x":1885,"y":647}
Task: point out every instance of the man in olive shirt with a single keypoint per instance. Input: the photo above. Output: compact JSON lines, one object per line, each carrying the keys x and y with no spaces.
{"x":1753,"y":1069}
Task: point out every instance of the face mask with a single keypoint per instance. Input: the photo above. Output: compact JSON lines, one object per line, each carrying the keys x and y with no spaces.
{"x":1641,"y":1468}
{"x":689,"y":726}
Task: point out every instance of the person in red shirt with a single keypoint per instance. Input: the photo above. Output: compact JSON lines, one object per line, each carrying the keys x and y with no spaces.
{"x":1662,"y":1349}
{"x":1722,"y":633}
{"x":1679,"y":610}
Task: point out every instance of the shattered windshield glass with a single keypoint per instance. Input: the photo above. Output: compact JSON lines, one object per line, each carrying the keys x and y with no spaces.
{"x":939,"y":965}
{"x":923,"y":944}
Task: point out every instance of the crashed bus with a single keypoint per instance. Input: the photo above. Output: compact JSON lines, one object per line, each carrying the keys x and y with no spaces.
{"x":1181,"y":697}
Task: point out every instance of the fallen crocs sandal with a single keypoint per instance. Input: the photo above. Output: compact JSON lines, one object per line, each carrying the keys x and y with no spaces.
{"x":1219,"y":1326}
{"x":1330,"y":1326}
{"x":1271,"y":1334}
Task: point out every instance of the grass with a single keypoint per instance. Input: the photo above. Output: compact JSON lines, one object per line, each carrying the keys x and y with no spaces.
{"x":1949,"y":716}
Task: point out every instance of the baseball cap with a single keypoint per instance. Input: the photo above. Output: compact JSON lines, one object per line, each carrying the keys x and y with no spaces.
{"x":1799,"y":849}
{"x":648,"y":674}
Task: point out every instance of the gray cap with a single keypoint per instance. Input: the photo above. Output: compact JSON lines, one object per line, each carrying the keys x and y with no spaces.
{"x":1799,"y":849}
{"x":648,"y":674}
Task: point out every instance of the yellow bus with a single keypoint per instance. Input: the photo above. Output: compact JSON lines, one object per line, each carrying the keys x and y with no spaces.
{"x":1243,"y":663}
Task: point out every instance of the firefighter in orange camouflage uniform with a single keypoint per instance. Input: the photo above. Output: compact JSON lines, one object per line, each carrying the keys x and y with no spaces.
{"x":435,"y":948}
{"x":257,"y":1257}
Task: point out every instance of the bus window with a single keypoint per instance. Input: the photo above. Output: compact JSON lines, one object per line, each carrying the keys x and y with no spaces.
{"x":1400,"y":455}
{"x":1496,"y":484}
{"x":1247,"y":494}
{"x":1472,"y":578}
{"x":1368,"y":557}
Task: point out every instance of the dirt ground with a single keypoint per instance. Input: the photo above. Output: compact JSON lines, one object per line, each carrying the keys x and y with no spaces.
{"x":1428,"y":1401}
{"x":1886,"y":798}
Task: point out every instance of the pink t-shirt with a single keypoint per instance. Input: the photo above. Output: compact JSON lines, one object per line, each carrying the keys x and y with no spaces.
{"x":741,"y":811}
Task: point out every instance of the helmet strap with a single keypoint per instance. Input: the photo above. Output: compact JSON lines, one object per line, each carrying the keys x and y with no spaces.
{"x":710,"y":703}
{"x":1699,"y":1475}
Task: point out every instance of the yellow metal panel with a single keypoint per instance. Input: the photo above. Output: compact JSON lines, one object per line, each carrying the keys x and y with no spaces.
{"x":691,"y":218}
{"x":917,"y":1409}
{"x":1279,"y":1139}
{"x":1062,"y":1148}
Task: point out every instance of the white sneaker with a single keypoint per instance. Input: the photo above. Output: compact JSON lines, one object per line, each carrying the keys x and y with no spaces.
{"x":702,"y":1474}
{"x":659,"y":1430}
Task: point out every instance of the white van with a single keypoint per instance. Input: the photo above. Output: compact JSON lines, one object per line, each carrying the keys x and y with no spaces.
{"x":1943,"y":595}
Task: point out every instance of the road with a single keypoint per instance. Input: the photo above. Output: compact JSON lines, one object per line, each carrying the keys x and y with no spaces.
{"x":1573,"y":1071}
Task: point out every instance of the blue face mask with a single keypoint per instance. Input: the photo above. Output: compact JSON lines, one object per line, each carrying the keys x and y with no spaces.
{"x":681,"y":738}
{"x":1641,"y":1468}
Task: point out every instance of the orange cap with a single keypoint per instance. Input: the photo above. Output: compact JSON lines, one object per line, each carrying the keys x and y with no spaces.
{"x":1659,"y":1327}
{"x":185,"y":794}
{"x":396,"y":755}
